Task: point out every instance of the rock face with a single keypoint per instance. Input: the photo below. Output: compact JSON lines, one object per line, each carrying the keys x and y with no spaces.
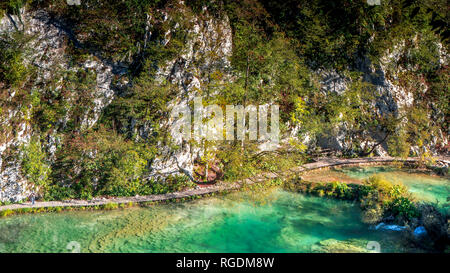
{"x":207,"y":51}
{"x":13,"y":187}
{"x":390,"y":98}
{"x":45,"y":52}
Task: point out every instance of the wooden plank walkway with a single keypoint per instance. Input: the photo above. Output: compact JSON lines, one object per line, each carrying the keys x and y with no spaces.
{"x":218,"y":187}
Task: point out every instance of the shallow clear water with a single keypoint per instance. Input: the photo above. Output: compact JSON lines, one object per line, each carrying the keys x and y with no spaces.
{"x":268,"y":221}
{"x":264,"y":221}
{"x":430,"y":188}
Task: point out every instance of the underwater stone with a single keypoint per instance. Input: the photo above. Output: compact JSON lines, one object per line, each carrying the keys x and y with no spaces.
{"x":383,"y":226}
{"x":337,"y":246}
{"x":420,"y":231}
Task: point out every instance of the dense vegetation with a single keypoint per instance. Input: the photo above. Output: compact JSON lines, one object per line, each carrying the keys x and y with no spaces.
{"x":277,"y":50}
{"x":384,"y":201}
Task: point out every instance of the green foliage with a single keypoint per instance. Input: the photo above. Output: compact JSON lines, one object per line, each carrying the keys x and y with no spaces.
{"x":419,"y":130}
{"x":398,"y":144}
{"x":13,"y":71}
{"x":340,"y":190}
{"x":334,"y":189}
{"x":403,"y":207}
{"x":425,"y":56}
{"x":239,"y":163}
{"x":379,"y":183}
{"x":329,"y":33}
{"x":72,"y":102}
{"x":269,"y":70}
{"x":373,"y":214}
{"x":145,"y":105}
{"x":277,"y":49}
{"x":439,"y":94}
{"x":324,"y":34}
{"x":170,"y":184}
{"x":101,"y":162}
{"x":112,"y":27}
{"x":5,"y":213}
{"x":388,"y":198}
{"x":378,"y":197}
{"x":57,"y":192}
{"x":125,"y":177}
{"x":35,"y":166}
{"x":13,"y":6}
{"x":110,"y":206}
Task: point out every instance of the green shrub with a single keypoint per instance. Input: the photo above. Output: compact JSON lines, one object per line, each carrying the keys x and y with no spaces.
{"x":116,"y":165}
{"x":5,"y":213}
{"x":125,"y":176}
{"x":13,"y":5}
{"x":403,"y":207}
{"x":382,"y":198}
{"x":58,"y":192}
{"x":378,"y":197}
{"x":398,"y":144}
{"x":339,"y":190}
{"x":378,"y":183}
{"x":13,"y":70}
{"x":34,"y":165}
{"x":373,"y":214}
{"x":110,"y":206}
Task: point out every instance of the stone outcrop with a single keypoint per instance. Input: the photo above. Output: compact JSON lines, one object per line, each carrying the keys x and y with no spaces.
{"x":390,"y":99}
{"x":208,"y":50}
{"x":45,"y":52}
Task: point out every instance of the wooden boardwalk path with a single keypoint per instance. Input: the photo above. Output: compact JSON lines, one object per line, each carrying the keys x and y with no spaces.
{"x":218,"y":187}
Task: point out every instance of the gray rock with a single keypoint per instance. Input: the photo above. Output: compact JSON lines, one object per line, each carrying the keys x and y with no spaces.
{"x":45,"y":52}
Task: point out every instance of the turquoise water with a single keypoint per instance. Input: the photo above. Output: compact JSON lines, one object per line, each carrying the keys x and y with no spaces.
{"x":267,"y":221}
{"x":263,"y":221}
{"x":424,"y":187}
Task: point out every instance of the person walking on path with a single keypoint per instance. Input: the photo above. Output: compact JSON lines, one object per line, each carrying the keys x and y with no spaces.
{"x":33,"y":197}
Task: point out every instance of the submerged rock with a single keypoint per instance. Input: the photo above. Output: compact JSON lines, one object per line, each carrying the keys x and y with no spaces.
{"x":383,"y":226}
{"x":336,"y":246}
{"x":420,"y":232}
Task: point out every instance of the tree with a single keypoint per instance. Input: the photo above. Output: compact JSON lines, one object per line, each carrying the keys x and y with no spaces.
{"x":35,"y":166}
